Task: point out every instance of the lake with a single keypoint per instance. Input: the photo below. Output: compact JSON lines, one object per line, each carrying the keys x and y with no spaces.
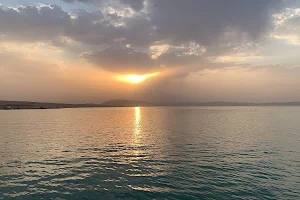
{"x":151,"y":153}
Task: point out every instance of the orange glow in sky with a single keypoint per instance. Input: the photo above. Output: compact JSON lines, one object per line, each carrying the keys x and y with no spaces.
{"x":135,"y":78}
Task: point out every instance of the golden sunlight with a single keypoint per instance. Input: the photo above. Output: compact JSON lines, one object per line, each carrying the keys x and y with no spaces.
{"x":137,"y":115}
{"x":135,"y":79}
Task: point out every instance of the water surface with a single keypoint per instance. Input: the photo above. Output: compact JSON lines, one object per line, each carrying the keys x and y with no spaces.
{"x":151,"y":153}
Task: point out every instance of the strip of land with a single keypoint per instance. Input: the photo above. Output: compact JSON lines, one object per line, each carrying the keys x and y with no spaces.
{"x":10,"y":105}
{"x":16,"y":105}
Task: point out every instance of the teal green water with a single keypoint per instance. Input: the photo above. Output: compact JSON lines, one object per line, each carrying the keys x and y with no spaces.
{"x":151,"y":153}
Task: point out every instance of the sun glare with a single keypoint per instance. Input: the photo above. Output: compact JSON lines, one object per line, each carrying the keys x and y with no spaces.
{"x":135,"y":79}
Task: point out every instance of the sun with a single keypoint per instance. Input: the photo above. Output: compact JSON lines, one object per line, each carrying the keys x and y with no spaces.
{"x":135,"y":78}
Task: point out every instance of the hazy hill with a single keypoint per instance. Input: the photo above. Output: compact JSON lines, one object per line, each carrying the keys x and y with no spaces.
{"x":39,"y":105}
{"x":130,"y":103}
{"x":125,"y":103}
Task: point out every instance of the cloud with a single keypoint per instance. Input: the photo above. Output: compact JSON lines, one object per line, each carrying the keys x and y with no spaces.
{"x":217,"y":47}
{"x":189,"y":57}
{"x":234,"y":59}
{"x":51,"y":23}
{"x":158,"y":50}
{"x":158,"y":23}
{"x":125,"y":60}
{"x":237,"y":54}
{"x":34,"y":24}
{"x":136,"y":5}
{"x":287,"y":25}
{"x":172,"y":33}
{"x":80,"y":1}
{"x":289,"y":37}
{"x":205,"y":21}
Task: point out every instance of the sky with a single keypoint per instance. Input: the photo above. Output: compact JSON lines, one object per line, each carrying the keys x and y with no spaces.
{"x":90,"y":51}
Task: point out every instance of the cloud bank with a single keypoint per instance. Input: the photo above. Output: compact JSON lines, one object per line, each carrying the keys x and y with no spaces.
{"x":182,"y":38}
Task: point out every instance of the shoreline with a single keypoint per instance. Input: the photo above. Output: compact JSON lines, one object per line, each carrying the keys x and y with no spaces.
{"x":21,"y":105}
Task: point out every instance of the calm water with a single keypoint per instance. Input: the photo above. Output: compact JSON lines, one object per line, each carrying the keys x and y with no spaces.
{"x":151,"y":153}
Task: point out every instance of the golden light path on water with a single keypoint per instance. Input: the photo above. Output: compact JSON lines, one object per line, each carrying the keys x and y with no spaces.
{"x":137,"y":126}
{"x":137,"y":132}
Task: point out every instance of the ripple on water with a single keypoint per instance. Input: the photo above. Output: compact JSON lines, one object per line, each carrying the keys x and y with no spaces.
{"x":158,"y":153}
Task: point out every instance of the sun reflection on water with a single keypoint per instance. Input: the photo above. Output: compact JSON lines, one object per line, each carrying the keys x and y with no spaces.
{"x":137,"y":136}
{"x":137,"y":125}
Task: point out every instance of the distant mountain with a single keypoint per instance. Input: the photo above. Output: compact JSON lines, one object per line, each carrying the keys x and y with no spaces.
{"x":130,"y":103}
{"x":125,"y":103}
{"x":39,"y":105}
